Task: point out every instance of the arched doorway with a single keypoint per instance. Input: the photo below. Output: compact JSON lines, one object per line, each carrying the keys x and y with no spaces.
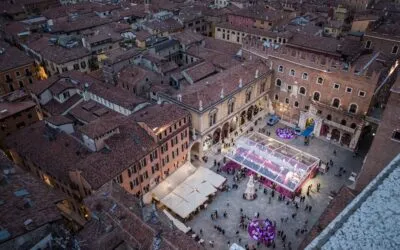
{"x":195,"y":152}
{"x":225,"y":131}
{"x":216,"y":136}
{"x":242,"y":117}
{"x":233,"y":124}
{"x":310,"y":122}
{"x":324,"y":130}
{"x":335,"y":135}
{"x":250,"y":113}
{"x":346,"y":139}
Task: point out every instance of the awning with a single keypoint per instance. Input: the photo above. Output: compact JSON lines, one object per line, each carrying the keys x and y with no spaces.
{"x":177,"y":222}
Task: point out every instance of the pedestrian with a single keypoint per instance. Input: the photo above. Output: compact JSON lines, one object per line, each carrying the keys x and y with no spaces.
{"x":240,"y":240}
{"x":211,"y":243}
{"x":309,"y":208}
{"x":225,"y":214}
{"x":286,"y":220}
{"x":241,"y":210}
{"x":223,"y":232}
{"x":331,"y":162}
{"x":308,"y":192}
{"x":297,"y":232}
{"x":306,"y":207}
{"x":201,"y":232}
{"x":294,"y":215}
{"x":215,"y":162}
{"x":334,"y":152}
{"x":229,"y":243}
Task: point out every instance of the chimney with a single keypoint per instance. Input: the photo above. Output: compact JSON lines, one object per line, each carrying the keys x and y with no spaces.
{"x":240,"y":82}
{"x":222,"y":93}
{"x":256,"y":75}
{"x":200,"y":105}
{"x":179,"y":97}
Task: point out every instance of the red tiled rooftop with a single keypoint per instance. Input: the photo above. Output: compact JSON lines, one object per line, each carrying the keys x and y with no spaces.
{"x":200,"y":71}
{"x":63,"y":148}
{"x":10,"y":108}
{"x":56,"y":108}
{"x":13,"y":58}
{"x":14,"y":211}
{"x":58,"y":120}
{"x":56,"y":53}
{"x":159,"y":116}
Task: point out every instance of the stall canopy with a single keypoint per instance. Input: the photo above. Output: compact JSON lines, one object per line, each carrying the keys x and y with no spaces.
{"x":186,"y":189}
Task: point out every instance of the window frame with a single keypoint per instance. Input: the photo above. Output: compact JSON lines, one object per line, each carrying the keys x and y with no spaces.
{"x":333,"y":101}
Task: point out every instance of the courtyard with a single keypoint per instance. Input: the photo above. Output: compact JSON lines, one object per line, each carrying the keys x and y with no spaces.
{"x":266,"y":206}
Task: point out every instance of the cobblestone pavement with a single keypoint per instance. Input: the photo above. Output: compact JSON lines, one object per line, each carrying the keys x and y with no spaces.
{"x":276,"y":209}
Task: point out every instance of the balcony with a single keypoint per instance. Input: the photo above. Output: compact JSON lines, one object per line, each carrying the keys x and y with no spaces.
{"x":339,"y":126}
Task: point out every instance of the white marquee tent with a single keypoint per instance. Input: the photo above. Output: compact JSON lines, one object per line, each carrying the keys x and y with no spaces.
{"x":186,"y":189}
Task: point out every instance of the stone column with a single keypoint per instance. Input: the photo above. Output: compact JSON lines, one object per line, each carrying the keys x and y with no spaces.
{"x":317,"y":126}
{"x":355,"y":138}
{"x":303,"y":119}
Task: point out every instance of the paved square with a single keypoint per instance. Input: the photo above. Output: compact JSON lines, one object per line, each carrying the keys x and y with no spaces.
{"x":272,"y":208}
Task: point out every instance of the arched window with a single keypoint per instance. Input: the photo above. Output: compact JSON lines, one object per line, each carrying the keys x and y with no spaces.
{"x":278,"y":82}
{"x":292,"y":72}
{"x":262,"y":87}
{"x":276,"y":97}
{"x":302,"y":90}
{"x":320,"y":80}
{"x":280,"y":68}
{"x":353,"y":108}
{"x":305,"y":76}
{"x":231,"y":105}
{"x":287,"y":100}
{"x":343,"y":122}
{"x":329,"y":117}
{"x":212,"y":117}
{"x":335,"y":103}
{"x":316,"y":96}
{"x":296,"y":104}
{"x":353,"y":126}
{"x":248,"y":95}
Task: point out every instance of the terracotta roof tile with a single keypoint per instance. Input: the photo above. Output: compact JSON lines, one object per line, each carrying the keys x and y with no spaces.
{"x":38,"y":203}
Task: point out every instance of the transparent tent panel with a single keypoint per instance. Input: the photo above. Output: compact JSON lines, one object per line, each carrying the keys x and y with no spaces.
{"x":276,"y":161}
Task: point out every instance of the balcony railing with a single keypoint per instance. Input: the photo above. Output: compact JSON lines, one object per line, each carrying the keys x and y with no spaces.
{"x":340,"y":126}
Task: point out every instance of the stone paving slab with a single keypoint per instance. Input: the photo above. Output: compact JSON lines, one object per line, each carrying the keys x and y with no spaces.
{"x":276,"y":209}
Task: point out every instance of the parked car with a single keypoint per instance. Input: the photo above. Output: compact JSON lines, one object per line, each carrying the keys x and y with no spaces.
{"x":272,"y":120}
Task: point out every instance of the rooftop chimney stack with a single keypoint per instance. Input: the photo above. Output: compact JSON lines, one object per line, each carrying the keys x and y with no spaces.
{"x":200,"y":105}
{"x":222,"y":93}
{"x":256,"y":75}
{"x":240,"y":82}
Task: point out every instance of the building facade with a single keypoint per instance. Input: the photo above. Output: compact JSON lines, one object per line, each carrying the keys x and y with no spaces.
{"x":313,"y":88}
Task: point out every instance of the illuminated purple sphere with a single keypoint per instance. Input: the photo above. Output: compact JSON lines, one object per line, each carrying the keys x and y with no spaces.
{"x":285,"y":133}
{"x":261,"y":230}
